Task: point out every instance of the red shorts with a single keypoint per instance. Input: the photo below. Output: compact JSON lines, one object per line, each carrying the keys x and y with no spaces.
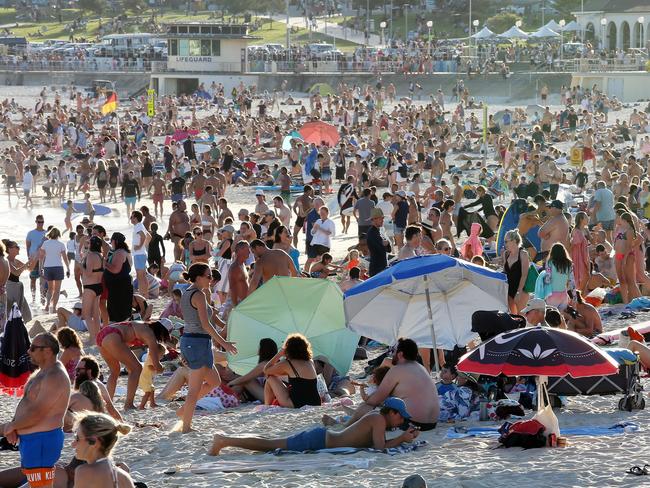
{"x":158,"y":198}
{"x":588,"y":154}
{"x":198,"y":194}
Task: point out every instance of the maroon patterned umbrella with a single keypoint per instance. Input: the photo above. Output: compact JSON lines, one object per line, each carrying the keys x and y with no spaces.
{"x":538,"y":351}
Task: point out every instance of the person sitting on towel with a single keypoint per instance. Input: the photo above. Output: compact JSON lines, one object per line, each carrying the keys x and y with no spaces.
{"x":368,"y":431}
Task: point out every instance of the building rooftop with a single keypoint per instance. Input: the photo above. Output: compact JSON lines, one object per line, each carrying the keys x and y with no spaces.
{"x":617,"y":6}
{"x":213,"y":30}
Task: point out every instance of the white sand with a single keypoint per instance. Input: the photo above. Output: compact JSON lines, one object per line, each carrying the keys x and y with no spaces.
{"x":600,"y":461}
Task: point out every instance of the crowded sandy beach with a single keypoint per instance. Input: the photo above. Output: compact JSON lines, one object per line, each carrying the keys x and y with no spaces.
{"x":359,"y":288}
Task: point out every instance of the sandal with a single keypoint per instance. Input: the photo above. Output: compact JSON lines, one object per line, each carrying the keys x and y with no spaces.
{"x":638,"y":471}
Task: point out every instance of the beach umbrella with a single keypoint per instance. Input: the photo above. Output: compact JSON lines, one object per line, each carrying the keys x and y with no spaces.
{"x":541,"y":352}
{"x":484,"y":33}
{"x":322,"y":89}
{"x":544,"y":33}
{"x":286,"y":142}
{"x":572,"y":26}
{"x":318,"y":131}
{"x":15,"y":363}
{"x":285,"y":305}
{"x":429,"y":299}
{"x":538,"y":351}
{"x":514,"y":33}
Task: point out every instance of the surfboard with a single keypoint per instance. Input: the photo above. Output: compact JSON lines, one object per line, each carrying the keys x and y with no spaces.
{"x":80,"y":207}
{"x":344,"y":193}
{"x":613,"y":335}
{"x":510,"y":221}
{"x":292,"y":188}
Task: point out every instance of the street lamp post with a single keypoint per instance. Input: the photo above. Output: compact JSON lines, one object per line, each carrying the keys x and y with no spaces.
{"x":406,"y":23}
{"x":367,"y":21}
{"x":641,"y":21}
{"x":469,"y":26}
{"x":382,"y":26}
{"x":429,"y":25}
{"x":475,"y":25}
{"x":562,"y":24}
{"x":603,"y":23}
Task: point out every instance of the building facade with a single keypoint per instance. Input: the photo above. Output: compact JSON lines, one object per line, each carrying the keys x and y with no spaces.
{"x":196,"y":52}
{"x":615,"y":24}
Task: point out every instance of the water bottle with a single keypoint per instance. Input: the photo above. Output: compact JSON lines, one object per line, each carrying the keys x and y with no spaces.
{"x":483,"y":409}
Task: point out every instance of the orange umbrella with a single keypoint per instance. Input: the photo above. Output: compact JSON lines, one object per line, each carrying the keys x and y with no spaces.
{"x":318,"y":132}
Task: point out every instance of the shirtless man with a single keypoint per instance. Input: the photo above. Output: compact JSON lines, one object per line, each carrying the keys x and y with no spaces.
{"x":269,"y":263}
{"x":159,"y":192}
{"x":88,"y":370}
{"x":301,"y":208}
{"x":588,"y":148}
{"x":179,"y":224}
{"x":368,"y":431}
{"x":432,"y":232}
{"x":457,"y":196}
{"x":413,"y":236}
{"x":282,"y":211}
{"x":224,"y":212}
{"x":237,"y":278}
{"x":208,"y":198}
{"x":407,"y":379}
{"x":38,"y":421}
{"x":261,"y":206}
{"x":198,"y":184}
{"x":556,"y":229}
{"x":11,"y":170}
{"x":352,"y":281}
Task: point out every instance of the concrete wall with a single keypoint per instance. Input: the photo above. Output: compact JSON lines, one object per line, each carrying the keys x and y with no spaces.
{"x":627,"y":87}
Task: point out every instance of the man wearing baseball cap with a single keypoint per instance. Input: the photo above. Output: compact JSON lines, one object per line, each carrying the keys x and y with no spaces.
{"x":368,"y":431}
{"x":535,"y":312}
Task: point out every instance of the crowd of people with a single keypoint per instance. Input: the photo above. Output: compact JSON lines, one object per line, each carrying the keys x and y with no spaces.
{"x":403,"y":186}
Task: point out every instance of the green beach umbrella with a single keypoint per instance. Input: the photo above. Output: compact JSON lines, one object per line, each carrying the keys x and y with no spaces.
{"x":285,"y":305}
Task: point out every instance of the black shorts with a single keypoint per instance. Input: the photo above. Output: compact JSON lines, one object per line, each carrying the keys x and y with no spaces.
{"x":11,"y":181}
{"x":300,"y":221}
{"x":319,"y":250}
{"x":423,"y":426}
{"x":420,"y":157}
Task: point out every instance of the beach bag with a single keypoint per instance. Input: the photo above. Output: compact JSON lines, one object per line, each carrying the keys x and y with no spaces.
{"x":528,"y":434}
{"x":531,"y":279}
{"x":545,"y":414}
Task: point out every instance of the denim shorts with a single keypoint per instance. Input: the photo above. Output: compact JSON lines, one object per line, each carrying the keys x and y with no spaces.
{"x":53,"y":273}
{"x":130,"y":200}
{"x":197,"y":350}
{"x":607,"y":224}
{"x":140,"y":261}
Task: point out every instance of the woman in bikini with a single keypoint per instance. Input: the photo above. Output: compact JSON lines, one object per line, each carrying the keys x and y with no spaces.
{"x":95,"y":437}
{"x":115,"y":342}
{"x":624,"y":244}
{"x":72,"y":350}
{"x":92,"y":272}
{"x":294,"y":360}
{"x":199,"y":248}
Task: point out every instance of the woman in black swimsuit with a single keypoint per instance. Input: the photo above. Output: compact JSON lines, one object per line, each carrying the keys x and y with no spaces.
{"x":299,"y":367}
{"x":199,"y":247}
{"x":516,"y":264}
{"x":117,"y":279}
{"x":92,"y":271}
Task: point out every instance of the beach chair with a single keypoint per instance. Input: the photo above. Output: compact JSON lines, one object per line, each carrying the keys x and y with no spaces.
{"x":626,"y":382}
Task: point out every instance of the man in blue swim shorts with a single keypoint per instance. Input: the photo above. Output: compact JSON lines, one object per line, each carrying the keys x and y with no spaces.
{"x":368,"y":431}
{"x":38,"y":422}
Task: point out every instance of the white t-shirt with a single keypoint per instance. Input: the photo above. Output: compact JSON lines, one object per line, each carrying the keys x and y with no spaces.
{"x":28,"y":180}
{"x":135,"y":240}
{"x":320,"y":237}
{"x":53,"y":249}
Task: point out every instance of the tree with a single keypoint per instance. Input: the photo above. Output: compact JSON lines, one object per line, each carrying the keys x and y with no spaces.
{"x":96,"y":6}
{"x":503,"y":21}
{"x":135,"y":5}
{"x":565,"y":7}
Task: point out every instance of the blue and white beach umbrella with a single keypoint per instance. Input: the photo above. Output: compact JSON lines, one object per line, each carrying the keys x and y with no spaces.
{"x":429,"y":299}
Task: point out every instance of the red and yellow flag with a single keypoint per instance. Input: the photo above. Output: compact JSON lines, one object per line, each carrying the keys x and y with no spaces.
{"x":110,"y":105}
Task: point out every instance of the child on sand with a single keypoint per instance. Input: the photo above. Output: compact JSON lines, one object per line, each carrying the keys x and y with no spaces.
{"x":71,"y":245}
{"x":68,"y":215}
{"x":146,"y":380}
{"x":88,"y":207}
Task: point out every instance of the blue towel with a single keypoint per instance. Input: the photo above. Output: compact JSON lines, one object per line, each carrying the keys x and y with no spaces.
{"x":391,"y":451}
{"x":616,"y":429}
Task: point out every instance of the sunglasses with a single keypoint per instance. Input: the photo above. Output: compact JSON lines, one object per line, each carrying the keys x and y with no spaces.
{"x":91,"y":442}
{"x":445,"y":249}
{"x":33,"y":348}
{"x":40,"y":221}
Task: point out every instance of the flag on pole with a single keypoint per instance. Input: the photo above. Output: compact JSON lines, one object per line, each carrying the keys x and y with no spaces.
{"x":110,"y":105}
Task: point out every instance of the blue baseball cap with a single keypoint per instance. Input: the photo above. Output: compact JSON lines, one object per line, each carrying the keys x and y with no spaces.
{"x":397,"y":404}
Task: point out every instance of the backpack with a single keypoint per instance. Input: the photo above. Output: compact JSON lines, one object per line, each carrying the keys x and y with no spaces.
{"x":525,"y":433}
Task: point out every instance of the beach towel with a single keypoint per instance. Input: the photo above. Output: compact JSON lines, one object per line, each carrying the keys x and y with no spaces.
{"x":639,"y":303}
{"x":472,"y":246}
{"x":391,"y":451}
{"x":616,"y":429}
{"x":265,"y":463}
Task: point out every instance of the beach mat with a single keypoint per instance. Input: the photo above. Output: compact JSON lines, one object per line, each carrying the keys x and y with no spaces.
{"x":616,"y":429}
{"x":391,"y":451}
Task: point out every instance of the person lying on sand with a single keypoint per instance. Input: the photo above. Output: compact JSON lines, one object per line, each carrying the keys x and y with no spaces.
{"x":368,"y":431}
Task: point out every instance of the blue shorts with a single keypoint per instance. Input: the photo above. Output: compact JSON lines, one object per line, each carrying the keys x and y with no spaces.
{"x":40,"y":449}
{"x":53,"y":273}
{"x":131,"y":201}
{"x":308,"y":440}
{"x":397,"y":229}
{"x":607,"y":224}
{"x":197,"y":350}
{"x":140,"y":261}
{"x":177,"y":197}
